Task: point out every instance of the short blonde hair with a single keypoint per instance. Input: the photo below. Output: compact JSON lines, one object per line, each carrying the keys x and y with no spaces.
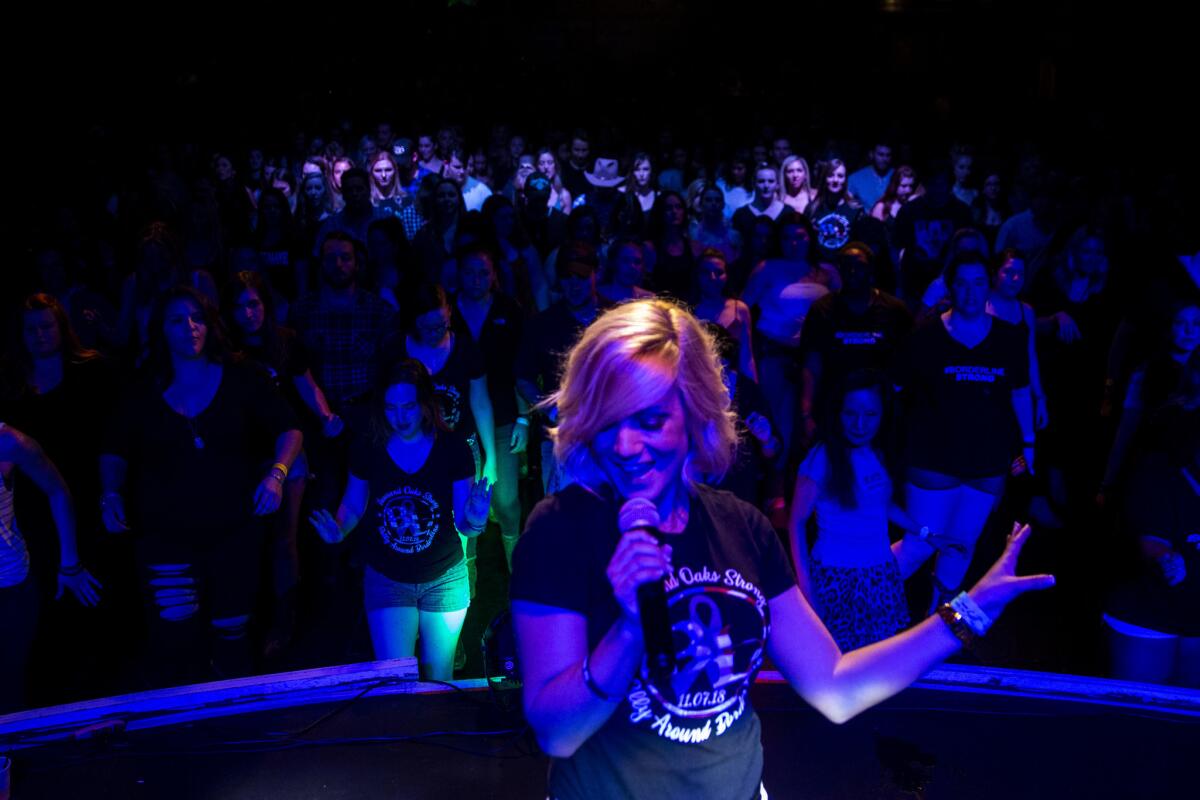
{"x":605,"y":380}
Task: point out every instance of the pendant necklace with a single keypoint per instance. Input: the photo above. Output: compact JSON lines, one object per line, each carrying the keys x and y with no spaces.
{"x":197,"y":440}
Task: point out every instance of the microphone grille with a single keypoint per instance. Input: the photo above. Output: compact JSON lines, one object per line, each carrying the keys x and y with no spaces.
{"x":637,"y":512}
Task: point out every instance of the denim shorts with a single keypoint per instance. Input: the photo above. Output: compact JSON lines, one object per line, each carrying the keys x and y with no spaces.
{"x":449,"y":591}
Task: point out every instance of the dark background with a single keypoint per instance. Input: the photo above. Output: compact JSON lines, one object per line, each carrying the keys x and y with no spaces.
{"x":1083,"y":81}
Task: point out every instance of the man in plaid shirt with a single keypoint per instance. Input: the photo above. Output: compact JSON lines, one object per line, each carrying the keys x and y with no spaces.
{"x":344,"y":327}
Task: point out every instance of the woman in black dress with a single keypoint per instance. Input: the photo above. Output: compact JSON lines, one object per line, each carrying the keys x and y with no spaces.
{"x":188,"y":448}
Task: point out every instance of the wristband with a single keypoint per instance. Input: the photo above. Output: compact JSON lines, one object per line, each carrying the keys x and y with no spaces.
{"x":104,"y":498}
{"x":957,"y":625}
{"x":594,"y":687}
{"x":278,"y":465}
{"x":522,"y":421}
{"x":972,"y":614}
{"x":71,"y":571}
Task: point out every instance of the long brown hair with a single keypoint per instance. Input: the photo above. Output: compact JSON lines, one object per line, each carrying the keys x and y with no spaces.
{"x":42,"y":301}
{"x":216,"y":345}
{"x":72,"y":352}
{"x":274,"y":343}
{"x":412,"y":372}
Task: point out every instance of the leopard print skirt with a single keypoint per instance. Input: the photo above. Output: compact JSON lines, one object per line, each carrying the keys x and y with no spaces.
{"x":860,"y":605}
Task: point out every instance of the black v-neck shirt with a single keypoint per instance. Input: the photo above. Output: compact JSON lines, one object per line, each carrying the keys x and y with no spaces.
{"x":407,"y":532}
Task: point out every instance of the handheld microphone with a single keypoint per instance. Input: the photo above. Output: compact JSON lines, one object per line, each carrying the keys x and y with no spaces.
{"x":640,"y":514}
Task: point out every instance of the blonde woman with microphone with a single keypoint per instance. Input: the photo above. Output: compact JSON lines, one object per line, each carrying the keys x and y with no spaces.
{"x":643,"y":415}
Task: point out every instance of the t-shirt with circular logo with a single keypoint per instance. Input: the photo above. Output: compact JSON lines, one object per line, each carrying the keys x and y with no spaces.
{"x":694,"y":735}
{"x":407,"y":532}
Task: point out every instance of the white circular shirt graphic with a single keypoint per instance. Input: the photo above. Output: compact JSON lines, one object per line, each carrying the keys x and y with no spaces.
{"x":408,"y":519}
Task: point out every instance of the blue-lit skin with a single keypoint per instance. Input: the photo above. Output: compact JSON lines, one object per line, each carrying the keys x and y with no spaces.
{"x":766,"y":185}
{"x":339,"y":169}
{"x":630,"y":266}
{"x":185,"y":330}
{"x":712,"y":208}
{"x":446,"y":198}
{"x":475,"y":275}
{"x":1185,"y":331}
{"x":42,"y":337}
{"x":713,"y":276}
{"x":795,"y":177}
{"x":403,"y":412}
{"x":249,"y":313}
{"x":794,"y":243}
{"x":643,"y":454}
{"x":641,"y":176}
{"x":224,"y":169}
{"x":580,"y":150}
{"x":835,"y":181}
{"x":1010,"y":278}
{"x":384,"y":174}
{"x":861,"y":415}
{"x":357,"y":193}
{"x":433,"y":327}
{"x":339,"y":266}
{"x":314,"y":190}
{"x":970,"y":292}
{"x":455,"y":170}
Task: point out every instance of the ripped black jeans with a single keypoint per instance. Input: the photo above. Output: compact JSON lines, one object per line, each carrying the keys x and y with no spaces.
{"x":199,"y":593}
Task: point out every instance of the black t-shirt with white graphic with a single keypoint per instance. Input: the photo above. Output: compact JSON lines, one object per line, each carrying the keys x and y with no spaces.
{"x":959,"y":398}
{"x":697,"y":737}
{"x":407,"y":533}
{"x":452,"y":383}
{"x":834,"y":226}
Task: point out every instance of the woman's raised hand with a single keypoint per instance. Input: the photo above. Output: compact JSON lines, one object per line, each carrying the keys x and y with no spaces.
{"x":1001,"y":585}
{"x":479,"y":501}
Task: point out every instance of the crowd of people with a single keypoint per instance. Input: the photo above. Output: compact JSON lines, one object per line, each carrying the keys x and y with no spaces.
{"x":242,"y":382}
